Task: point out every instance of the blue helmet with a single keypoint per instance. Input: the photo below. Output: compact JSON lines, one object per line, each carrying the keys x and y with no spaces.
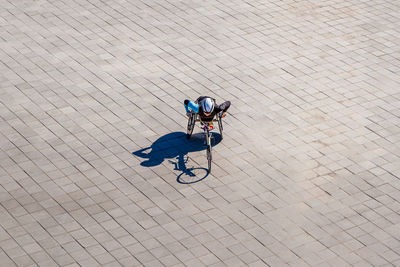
{"x":207,"y":105}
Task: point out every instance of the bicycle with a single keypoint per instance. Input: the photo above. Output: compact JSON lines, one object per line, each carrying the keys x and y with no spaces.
{"x":206,"y":126}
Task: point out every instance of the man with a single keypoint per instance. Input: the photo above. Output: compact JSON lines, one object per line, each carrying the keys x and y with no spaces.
{"x":206,"y":107}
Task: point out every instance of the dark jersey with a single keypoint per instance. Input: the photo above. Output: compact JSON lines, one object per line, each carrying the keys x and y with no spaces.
{"x":196,"y":107}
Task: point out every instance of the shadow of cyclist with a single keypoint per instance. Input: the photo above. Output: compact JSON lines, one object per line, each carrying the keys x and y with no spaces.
{"x":176,"y":146}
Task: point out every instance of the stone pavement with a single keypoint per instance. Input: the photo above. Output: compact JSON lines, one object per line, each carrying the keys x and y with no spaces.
{"x":95,"y":168}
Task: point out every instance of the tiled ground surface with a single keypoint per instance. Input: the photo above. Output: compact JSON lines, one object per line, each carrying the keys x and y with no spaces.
{"x":308,"y":172}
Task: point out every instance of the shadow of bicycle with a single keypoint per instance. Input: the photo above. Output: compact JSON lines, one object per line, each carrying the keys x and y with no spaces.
{"x":176,"y":146}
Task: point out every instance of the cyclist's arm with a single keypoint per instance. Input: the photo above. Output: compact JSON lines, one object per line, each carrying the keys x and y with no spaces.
{"x":224,"y":106}
{"x":190,"y":105}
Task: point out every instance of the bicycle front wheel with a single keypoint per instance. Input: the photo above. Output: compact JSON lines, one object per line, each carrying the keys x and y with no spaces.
{"x":209,"y":146}
{"x":209,"y":158}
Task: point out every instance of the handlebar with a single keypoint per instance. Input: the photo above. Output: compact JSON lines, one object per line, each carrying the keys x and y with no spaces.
{"x":217,"y":117}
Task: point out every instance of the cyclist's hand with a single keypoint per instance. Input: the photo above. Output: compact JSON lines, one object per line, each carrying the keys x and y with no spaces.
{"x":188,"y":115}
{"x":223,"y":115}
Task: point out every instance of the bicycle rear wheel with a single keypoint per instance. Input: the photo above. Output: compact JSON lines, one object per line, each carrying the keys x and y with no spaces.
{"x":190,"y":127}
{"x":220,"y":126}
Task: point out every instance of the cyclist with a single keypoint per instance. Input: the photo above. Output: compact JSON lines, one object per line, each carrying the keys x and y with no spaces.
{"x":206,"y":107}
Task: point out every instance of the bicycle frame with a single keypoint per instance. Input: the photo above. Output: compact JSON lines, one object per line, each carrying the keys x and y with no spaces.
{"x":206,"y":126}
